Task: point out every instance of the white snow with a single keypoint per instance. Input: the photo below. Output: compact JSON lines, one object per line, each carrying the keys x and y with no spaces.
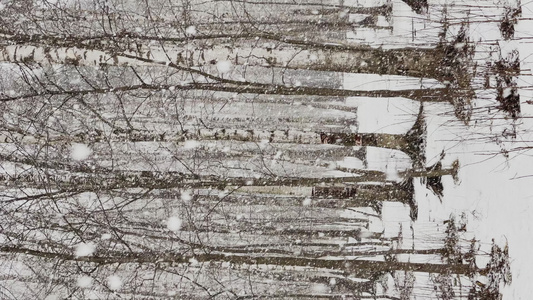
{"x":224,"y":66}
{"x":174,"y":223}
{"x":186,"y":195}
{"x":507,"y":92}
{"x":492,"y":193}
{"x":85,"y":249}
{"x":264,"y":143}
{"x":355,"y":18}
{"x":114,"y":282}
{"x":306,"y":202}
{"x":388,"y":161}
{"x":222,"y":194}
{"x":382,"y":21}
{"x":84,"y":282}
{"x":332,"y":281}
{"x":193,"y":261}
{"x":384,"y":115}
{"x":364,"y":3}
{"x":191,"y":144}
{"x":191,"y":30}
{"x":320,"y":288}
{"x":351,"y":163}
{"x":80,"y":151}
{"x":376,"y":82}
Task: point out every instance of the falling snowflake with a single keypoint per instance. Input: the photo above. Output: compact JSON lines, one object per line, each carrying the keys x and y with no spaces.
{"x":80,"y":152}
{"x":193,"y":261}
{"x":114,"y":282}
{"x":191,"y":30}
{"x":224,"y":66}
{"x":332,"y":281}
{"x":85,"y":249}
{"x":84,"y":282}
{"x":186,"y":196}
{"x":174,"y":223}
{"x":222,"y":194}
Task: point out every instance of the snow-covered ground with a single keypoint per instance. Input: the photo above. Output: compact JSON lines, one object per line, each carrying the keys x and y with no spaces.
{"x":494,"y":190}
